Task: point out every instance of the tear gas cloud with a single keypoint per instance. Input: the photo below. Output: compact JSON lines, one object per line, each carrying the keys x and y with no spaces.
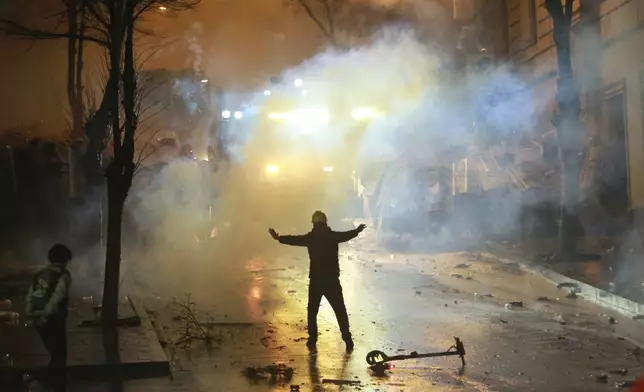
{"x":424,"y":113}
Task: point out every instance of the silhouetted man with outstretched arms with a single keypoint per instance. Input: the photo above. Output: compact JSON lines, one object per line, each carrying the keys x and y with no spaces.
{"x":324,"y":272}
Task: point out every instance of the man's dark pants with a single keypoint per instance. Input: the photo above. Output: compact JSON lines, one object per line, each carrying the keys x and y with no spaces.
{"x":54,"y":337}
{"x":332,"y":290}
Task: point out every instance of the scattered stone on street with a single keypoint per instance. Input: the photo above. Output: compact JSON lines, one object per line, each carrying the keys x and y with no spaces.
{"x":537,"y":345}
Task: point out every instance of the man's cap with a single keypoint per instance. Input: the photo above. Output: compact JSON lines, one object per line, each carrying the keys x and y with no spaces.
{"x":319,"y":217}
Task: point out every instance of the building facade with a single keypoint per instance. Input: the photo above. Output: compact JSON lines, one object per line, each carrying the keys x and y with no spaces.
{"x":616,"y":115}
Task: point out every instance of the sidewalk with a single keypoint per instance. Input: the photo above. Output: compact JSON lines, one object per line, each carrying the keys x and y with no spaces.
{"x":596,"y":269}
{"x":138,"y":352}
{"x":593,"y":279}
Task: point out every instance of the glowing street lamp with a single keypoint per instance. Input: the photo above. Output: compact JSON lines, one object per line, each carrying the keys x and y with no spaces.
{"x":226,"y":114}
{"x":298,"y":83}
{"x":162,"y":8}
{"x":204,"y":81}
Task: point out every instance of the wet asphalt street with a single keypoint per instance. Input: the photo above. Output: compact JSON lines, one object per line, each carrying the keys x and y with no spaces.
{"x":400,"y":303}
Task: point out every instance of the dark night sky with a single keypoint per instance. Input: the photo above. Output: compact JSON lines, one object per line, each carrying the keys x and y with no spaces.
{"x":241,"y":41}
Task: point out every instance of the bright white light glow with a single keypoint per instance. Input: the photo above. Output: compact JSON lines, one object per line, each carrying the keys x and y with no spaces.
{"x":303,"y":116}
{"x":304,"y":93}
{"x":162,"y":8}
{"x":204,"y":81}
{"x":267,"y":93}
{"x":363,"y":113}
{"x":311,"y":116}
{"x":298,"y":83}
{"x":226,"y":114}
{"x":279,"y":116}
{"x":327,"y":169}
{"x":272,"y":169}
{"x":238,"y":115}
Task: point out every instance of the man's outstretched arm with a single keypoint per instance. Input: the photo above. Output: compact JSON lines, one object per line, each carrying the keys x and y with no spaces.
{"x":294,"y":240}
{"x":344,"y":236}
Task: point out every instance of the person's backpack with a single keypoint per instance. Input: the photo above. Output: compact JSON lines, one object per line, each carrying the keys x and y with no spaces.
{"x":43,"y":286}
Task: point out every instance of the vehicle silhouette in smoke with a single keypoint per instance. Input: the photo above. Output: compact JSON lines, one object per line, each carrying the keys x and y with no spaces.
{"x":294,"y":146}
{"x":413,"y":199}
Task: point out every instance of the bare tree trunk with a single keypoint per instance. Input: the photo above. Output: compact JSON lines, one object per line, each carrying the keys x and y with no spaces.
{"x":115,"y":202}
{"x":129,"y":100}
{"x":568,"y":127}
{"x":96,"y":130}
{"x":80,"y":65}
{"x":121,"y":169}
{"x":73,"y":54}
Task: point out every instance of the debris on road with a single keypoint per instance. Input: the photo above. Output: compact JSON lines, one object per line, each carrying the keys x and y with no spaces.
{"x":559,"y":318}
{"x":625,"y":384}
{"x":340,"y":382}
{"x":635,"y":353}
{"x":602,"y":378}
{"x":477,"y":295}
{"x":190,"y":328}
{"x":638,"y":317}
{"x":514,"y":304}
{"x":458,"y":276}
{"x":572,"y":294}
{"x":568,"y":285}
{"x":621,"y":372}
{"x":545,"y":299}
{"x":295,"y":388}
{"x":277,"y":373}
{"x":462,"y":266}
{"x":611,"y":320}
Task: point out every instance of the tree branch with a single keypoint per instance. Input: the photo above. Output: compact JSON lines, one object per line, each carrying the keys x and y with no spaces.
{"x":14,"y":29}
{"x":568,"y":10}
{"x":315,"y":19}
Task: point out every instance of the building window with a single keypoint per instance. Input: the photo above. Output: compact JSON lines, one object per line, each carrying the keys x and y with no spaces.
{"x":522,"y":23}
{"x":530,"y":29}
{"x":616,"y":182}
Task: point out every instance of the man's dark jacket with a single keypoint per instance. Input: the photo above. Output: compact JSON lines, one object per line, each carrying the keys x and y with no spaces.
{"x":322,"y":244}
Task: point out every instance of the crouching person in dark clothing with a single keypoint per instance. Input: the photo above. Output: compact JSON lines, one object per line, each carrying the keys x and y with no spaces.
{"x":47,"y":304}
{"x":324,"y":273}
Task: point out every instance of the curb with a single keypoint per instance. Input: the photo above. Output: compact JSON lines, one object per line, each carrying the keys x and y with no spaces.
{"x":156,"y":366}
{"x":590,"y":293}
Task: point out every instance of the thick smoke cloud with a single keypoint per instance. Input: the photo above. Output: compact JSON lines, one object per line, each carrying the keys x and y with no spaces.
{"x":425,"y":113}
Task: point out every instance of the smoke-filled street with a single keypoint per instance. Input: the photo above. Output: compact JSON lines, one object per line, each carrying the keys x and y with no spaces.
{"x":183,"y":182}
{"x":399,"y":303}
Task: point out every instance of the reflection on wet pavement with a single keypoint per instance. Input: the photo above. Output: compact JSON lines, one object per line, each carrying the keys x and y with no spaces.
{"x":398,"y":304}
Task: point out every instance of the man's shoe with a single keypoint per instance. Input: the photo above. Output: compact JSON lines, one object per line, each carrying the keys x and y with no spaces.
{"x":311,"y":344}
{"x":350,"y":345}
